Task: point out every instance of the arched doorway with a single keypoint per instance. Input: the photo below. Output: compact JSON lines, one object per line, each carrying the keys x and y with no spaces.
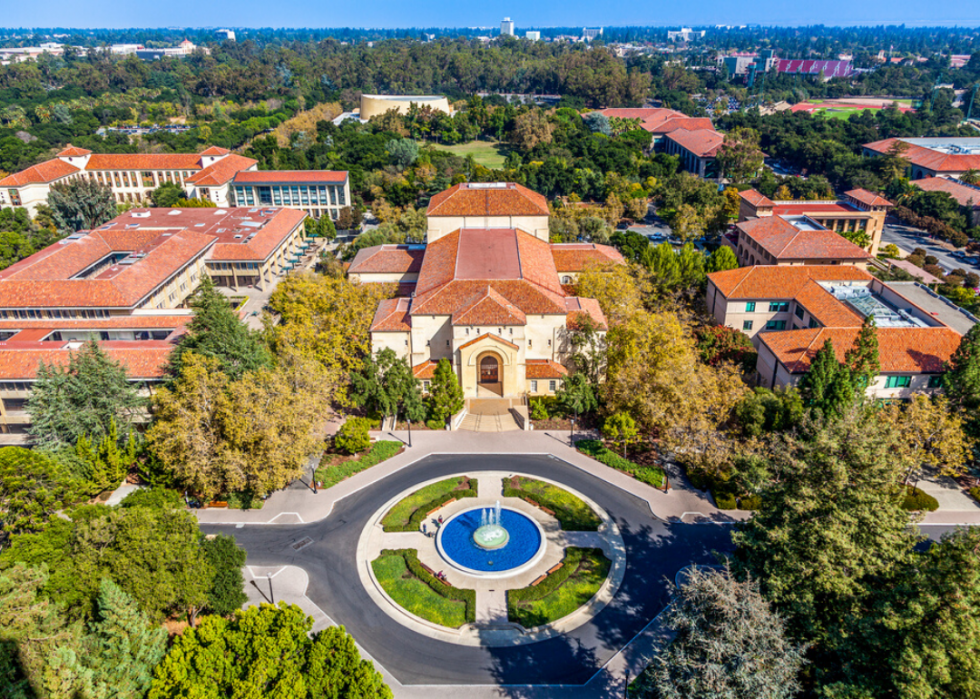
{"x":490,"y":375}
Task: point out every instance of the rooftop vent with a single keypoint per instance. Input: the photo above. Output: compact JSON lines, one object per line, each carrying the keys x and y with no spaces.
{"x":219,"y":212}
{"x":141,"y":214}
{"x":175,"y":212}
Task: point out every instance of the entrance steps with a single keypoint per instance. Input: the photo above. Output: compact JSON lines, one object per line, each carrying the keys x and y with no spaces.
{"x":490,"y":415}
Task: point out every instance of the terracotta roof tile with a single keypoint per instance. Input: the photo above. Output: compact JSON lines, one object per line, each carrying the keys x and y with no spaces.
{"x":784,"y":241}
{"x":393,"y":315}
{"x":579,"y":307}
{"x":868,"y":198}
{"x":934,"y":160}
{"x":272,"y":177}
{"x":900,"y":350}
{"x":71,"y":151}
{"x":215,"y":150}
{"x":575,"y":257}
{"x":703,"y":143}
{"x":142,"y":360}
{"x":144,"y":161}
{"x":388,"y":259}
{"x":488,"y":199}
{"x":825,"y":308}
{"x":426,"y":370}
{"x":48,"y":171}
{"x":222,"y":171}
{"x":489,"y":309}
{"x":757,"y":199}
{"x":544,"y":369}
{"x":774,"y":282}
{"x":964,"y":194}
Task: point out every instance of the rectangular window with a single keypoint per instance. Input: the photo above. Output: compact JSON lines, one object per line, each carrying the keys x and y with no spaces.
{"x":776,"y":325}
{"x":814,"y":323}
{"x":746,"y":325}
{"x":552,"y":385}
{"x":779,"y":306}
{"x":750,"y":306}
{"x":898,"y":382}
{"x":798,"y":312}
{"x":534,"y":387}
{"x":936,"y":381}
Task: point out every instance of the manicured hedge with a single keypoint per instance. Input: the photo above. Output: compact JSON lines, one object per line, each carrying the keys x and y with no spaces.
{"x":411,"y":557}
{"x":573,"y":557}
{"x":571,"y":512}
{"x":916,"y":500}
{"x":651,"y":475}
{"x":725,"y":501}
{"x":562,"y":592}
{"x":380,"y":451}
{"x":408,"y":513}
{"x":415,"y":523}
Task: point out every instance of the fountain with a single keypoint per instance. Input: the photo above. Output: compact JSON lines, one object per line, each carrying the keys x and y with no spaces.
{"x":491,"y":534}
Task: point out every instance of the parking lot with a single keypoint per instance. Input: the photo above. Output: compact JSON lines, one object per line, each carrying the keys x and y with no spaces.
{"x":908,"y":238}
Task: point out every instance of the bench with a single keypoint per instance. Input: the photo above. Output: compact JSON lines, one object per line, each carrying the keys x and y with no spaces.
{"x":541,"y":507}
{"x":554,"y":568}
{"x":218,"y":503}
{"x":431,"y":572}
{"x":439,"y":507}
{"x":538,"y":580}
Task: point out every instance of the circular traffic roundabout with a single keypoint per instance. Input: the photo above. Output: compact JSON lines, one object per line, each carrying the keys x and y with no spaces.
{"x":622,"y":551}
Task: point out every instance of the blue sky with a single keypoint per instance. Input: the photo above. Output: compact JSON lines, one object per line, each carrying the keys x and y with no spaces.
{"x":453,"y":13}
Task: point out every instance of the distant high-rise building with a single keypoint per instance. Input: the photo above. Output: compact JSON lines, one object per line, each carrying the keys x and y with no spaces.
{"x":590,"y":34}
{"x":507,"y":27}
{"x":532,"y":36}
{"x":224,"y":34}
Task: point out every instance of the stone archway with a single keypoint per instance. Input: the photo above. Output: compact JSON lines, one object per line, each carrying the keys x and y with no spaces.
{"x":490,"y":374}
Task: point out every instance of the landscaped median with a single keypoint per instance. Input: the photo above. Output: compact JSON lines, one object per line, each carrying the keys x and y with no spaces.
{"x":582,"y":572}
{"x":651,"y":475}
{"x":571,"y":512}
{"x":414,"y":588}
{"x":331,"y":474}
{"x":408,"y":513}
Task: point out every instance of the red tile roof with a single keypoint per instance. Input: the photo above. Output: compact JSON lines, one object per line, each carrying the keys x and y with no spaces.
{"x":544,"y":369}
{"x":963,"y":193}
{"x":426,"y":370}
{"x":757,"y":199}
{"x":784,"y":241}
{"x":488,"y":199}
{"x":142,"y":360}
{"x":826,"y":309}
{"x":934,"y":160}
{"x":272,"y":177}
{"x":658,"y":120}
{"x":220,"y":172}
{"x":868,"y":198}
{"x":71,"y":151}
{"x":393,"y":315}
{"x":575,"y":257}
{"x":812,"y":208}
{"x":900,"y":350}
{"x":144,"y":161}
{"x":489,"y":309}
{"x":579,"y":307}
{"x":773,"y":282}
{"x":215,"y":150}
{"x":703,"y":143}
{"x":388,"y":259}
{"x":48,"y":171}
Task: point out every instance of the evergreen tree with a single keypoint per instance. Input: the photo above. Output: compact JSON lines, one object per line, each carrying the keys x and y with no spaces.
{"x":80,"y":204}
{"x":961,"y":381}
{"x":828,"y":386}
{"x":721,"y":259}
{"x":122,"y":646}
{"x":167,"y":194}
{"x":227,"y":591}
{"x":106,"y":463}
{"x":216,"y":331}
{"x":862,"y":358}
{"x":82,"y":399}
{"x":445,"y":393}
{"x":385,"y":386}
{"x":576,"y":395}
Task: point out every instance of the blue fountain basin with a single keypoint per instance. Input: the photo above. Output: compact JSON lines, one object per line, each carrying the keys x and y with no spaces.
{"x":457,"y":547}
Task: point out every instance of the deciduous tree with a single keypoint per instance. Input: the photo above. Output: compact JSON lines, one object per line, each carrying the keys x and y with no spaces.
{"x":740,"y":157}
{"x":80,"y":204}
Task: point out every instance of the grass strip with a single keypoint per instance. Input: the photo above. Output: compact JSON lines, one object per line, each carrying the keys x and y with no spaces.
{"x":571,"y":511}
{"x":561,"y":593}
{"x":379,"y":451}
{"x":651,"y":475}
{"x":407,"y":514}
{"x":401,"y":575}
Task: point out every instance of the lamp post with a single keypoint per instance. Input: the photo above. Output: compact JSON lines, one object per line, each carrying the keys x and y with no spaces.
{"x":313,"y":475}
{"x":272,"y":597}
{"x":571,"y":434}
{"x":409,"y":421}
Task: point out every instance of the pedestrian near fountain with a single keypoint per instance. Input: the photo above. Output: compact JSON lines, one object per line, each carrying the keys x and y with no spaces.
{"x":440,"y":520}
{"x":424,"y":530}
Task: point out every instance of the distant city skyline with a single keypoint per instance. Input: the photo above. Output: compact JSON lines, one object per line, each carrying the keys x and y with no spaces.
{"x":390,"y":14}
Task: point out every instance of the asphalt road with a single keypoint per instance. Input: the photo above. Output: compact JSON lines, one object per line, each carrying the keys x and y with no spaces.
{"x":655,"y":552}
{"x":905,"y":238}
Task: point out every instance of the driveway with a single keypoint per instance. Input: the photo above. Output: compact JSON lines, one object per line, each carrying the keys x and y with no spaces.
{"x":905,"y":237}
{"x":656,"y":551}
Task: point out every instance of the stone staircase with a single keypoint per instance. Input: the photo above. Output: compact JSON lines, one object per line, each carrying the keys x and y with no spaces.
{"x":489,"y":415}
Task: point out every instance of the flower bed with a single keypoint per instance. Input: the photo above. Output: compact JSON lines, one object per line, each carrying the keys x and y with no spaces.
{"x":578,"y":580}
{"x":651,"y":475}
{"x":401,"y":575}
{"x":408,"y":514}
{"x":571,"y":511}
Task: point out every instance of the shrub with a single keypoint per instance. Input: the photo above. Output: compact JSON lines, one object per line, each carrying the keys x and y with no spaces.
{"x":750,"y":502}
{"x":538,"y":411}
{"x":159,"y":498}
{"x":651,"y":475}
{"x":435,"y":424}
{"x":411,"y":557}
{"x":408,"y":514}
{"x":571,"y":562}
{"x":573,"y":513}
{"x":380,"y":451}
{"x":227,"y":590}
{"x":725,"y":501}
{"x":916,"y":500}
{"x":353,"y":437}
{"x":975,"y":492}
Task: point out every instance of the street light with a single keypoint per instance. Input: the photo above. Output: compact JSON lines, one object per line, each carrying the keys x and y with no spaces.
{"x":571,"y":434}
{"x":272,"y":597}
{"x":313,"y":475}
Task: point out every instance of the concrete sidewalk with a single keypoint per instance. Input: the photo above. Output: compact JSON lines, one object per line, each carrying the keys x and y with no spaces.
{"x":296,"y":505}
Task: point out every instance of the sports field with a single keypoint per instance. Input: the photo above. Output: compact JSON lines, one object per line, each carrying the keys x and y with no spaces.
{"x":847,"y":107}
{"x":485,"y":153}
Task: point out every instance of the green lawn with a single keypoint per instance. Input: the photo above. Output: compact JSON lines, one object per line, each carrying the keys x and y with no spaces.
{"x":571,"y":511}
{"x":651,"y":475}
{"x":564,"y":591}
{"x":380,"y":451}
{"x":485,"y":153}
{"x":414,"y":595}
{"x":400,"y":517}
{"x":841,"y":113}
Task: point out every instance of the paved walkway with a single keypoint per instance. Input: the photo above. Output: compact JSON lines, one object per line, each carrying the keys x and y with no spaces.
{"x":300,"y":506}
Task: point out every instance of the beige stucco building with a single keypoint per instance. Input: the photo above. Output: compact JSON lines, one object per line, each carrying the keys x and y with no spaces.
{"x":490,"y":299}
{"x":376,"y":105}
